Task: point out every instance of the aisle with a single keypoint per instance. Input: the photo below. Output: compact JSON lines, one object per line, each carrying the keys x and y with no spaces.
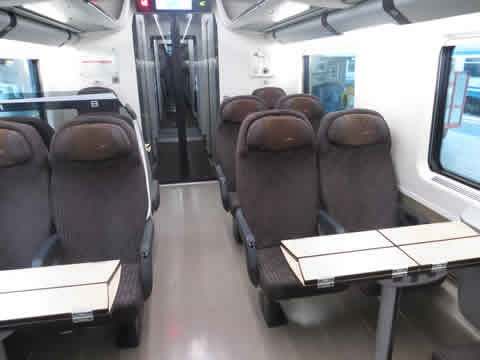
{"x":203,"y":306}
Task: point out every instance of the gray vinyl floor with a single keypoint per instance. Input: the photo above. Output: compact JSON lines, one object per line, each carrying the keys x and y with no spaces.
{"x":203,"y":306}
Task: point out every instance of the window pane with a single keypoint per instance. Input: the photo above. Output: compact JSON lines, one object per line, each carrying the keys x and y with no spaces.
{"x":461,"y":132}
{"x":17,"y":78}
{"x":332,"y":80}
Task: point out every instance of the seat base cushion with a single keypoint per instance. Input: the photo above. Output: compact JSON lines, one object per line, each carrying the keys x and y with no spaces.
{"x":129,"y":294}
{"x":277,"y":279}
{"x":462,"y":352}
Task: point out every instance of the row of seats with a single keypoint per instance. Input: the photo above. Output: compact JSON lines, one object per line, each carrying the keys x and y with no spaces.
{"x":78,"y":195}
{"x":292,"y":181}
{"x":232,"y":113}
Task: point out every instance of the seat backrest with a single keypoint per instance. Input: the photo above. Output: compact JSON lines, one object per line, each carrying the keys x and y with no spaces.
{"x":309,"y":105}
{"x":276,"y":176}
{"x":357,"y":180}
{"x":330,"y":94}
{"x":25,"y":219}
{"x":270,"y":95}
{"x":99,"y":192}
{"x":42,"y":127}
{"x":232,"y":112}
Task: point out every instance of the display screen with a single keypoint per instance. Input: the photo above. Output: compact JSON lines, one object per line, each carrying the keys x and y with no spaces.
{"x":168,"y":5}
{"x":182,"y":5}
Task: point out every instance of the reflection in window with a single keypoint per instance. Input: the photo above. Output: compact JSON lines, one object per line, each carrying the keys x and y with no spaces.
{"x":18,"y":78}
{"x":461,"y":127}
{"x":332,"y":80}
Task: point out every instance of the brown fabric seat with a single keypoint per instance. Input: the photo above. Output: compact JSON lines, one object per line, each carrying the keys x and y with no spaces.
{"x":129,"y":294}
{"x":231,"y":115}
{"x":270,"y":95}
{"x":277,"y":279}
{"x":309,"y":105}
{"x":25,"y":216}
{"x":356,"y":175}
{"x":99,"y":197}
{"x":277,"y":188}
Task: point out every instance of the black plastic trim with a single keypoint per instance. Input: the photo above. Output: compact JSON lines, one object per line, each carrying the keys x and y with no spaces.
{"x":10,"y":26}
{"x":437,"y":133}
{"x":391,"y":9}
{"x":329,"y":27}
{"x":250,"y":247}
{"x":70,"y":37}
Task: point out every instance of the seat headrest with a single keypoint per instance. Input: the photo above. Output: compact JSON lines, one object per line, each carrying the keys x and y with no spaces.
{"x":278,"y":130}
{"x":14,"y":148}
{"x":96,"y":90}
{"x":42,"y":127}
{"x":357,"y":129}
{"x":309,"y":105}
{"x":94,"y":137}
{"x":270,"y":95}
{"x":237,"y":108}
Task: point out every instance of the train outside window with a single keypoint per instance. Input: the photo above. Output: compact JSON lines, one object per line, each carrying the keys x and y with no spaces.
{"x":332,"y":80}
{"x":461,"y":119}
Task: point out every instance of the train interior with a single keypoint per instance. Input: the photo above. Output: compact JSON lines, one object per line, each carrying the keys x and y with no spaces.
{"x":159,"y":159}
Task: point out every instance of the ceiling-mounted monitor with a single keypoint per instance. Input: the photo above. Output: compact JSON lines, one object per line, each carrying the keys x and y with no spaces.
{"x":174,"y":5}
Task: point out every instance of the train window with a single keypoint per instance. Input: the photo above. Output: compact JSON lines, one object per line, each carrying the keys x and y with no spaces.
{"x":18,"y":79}
{"x":332,"y":79}
{"x":455,"y":140}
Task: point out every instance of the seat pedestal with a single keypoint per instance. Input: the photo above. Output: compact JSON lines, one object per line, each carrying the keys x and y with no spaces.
{"x":389,"y":307}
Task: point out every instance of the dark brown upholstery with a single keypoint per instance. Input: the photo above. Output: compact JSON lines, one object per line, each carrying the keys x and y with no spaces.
{"x":92,"y":142}
{"x":43,"y":128}
{"x":270,"y":95}
{"x":274,"y":133}
{"x":276,"y":189}
{"x":462,"y":352}
{"x":129,"y":295}
{"x":309,"y":105}
{"x":357,"y":181}
{"x":277,"y":279}
{"x":99,"y":206}
{"x":14,"y":148}
{"x":232,"y":112}
{"x":25,"y":219}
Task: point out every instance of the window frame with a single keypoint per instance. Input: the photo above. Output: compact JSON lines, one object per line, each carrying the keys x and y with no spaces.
{"x":438,"y":119}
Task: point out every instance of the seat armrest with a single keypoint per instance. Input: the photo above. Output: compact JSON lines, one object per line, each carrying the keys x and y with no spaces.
{"x":222,"y":180}
{"x":408,"y":217}
{"x":327,"y":225}
{"x":250,"y":246}
{"x":146,"y":261}
{"x":49,"y":252}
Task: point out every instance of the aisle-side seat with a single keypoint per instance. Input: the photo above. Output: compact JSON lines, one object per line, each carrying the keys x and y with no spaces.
{"x":100,"y":204}
{"x":309,"y":105}
{"x":357,"y":181}
{"x":232,"y":113}
{"x":277,"y":188}
{"x":125,"y":112}
{"x":25,"y":216}
{"x":270,"y":95}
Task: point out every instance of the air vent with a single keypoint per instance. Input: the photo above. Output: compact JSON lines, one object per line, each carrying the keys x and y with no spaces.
{"x":459,"y":189}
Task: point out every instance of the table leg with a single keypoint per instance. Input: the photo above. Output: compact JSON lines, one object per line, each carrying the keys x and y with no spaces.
{"x":389,"y":302}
